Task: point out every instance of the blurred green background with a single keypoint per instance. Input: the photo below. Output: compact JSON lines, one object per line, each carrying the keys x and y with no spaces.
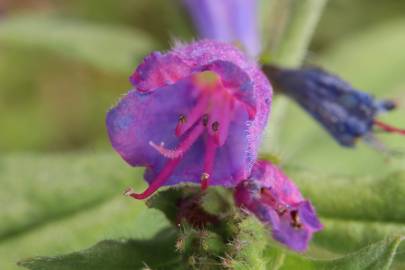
{"x":63,"y":64}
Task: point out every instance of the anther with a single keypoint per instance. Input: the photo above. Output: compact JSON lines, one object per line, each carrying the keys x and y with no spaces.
{"x":295,"y":219}
{"x":182,"y":119}
{"x":281,"y":211}
{"x":205,"y":120}
{"x":215,"y":126}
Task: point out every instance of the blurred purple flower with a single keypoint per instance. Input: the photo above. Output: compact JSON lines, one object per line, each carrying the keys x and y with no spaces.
{"x":196,"y":114}
{"x":228,"y":20}
{"x":345,"y":112}
{"x":278,"y":203}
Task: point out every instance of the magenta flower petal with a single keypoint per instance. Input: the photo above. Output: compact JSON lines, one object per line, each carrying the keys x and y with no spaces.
{"x":158,"y":70}
{"x":278,"y":203}
{"x":228,"y":20}
{"x":201,"y":123}
{"x":290,"y":228}
{"x":237,"y":81}
{"x":140,"y":118}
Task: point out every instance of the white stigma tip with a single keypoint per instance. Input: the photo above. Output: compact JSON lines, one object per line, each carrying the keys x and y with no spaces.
{"x":168,"y":153}
{"x":128,"y":192}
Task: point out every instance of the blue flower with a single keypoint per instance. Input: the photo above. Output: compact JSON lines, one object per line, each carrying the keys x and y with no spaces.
{"x":345,"y":112}
{"x":228,"y":21}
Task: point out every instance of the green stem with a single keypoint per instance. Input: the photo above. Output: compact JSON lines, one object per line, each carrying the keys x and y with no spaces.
{"x":298,"y":20}
{"x":293,"y":45}
{"x":275,"y":16}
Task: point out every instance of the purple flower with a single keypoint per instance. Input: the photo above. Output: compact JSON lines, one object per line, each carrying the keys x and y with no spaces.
{"x":195,"y":114}
{"x":278,"y":203}
{"x":345,"y":112}
{"x":227,"y":20}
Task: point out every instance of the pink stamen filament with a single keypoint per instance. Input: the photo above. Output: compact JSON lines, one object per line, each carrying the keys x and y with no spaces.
{"x":251,"y":110}
{"x":218,"y":106}
{"x":193,"y":116}
{"x":225,"y":120}
{"x":175,"y":156}
{"x":157,"y":183}
{"x":209,"y":158}
{"x":389,"y":128}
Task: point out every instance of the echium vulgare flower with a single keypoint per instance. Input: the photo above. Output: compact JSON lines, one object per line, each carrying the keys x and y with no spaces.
{"x":228,"y":20}
{"x":196,"y":114}
{"x":278,"y":203}
{"x":345,"y":112}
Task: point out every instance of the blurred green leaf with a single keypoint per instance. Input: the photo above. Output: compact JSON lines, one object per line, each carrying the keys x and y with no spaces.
{"x":34,"y":97}
{"x":41,"y":188}
{"x":377,"y":256}
{"x":117,"y":255}
{"x":116,"y":219}
{"x":71,"y":198}
{"x":343,"y":236}
{"x":359,"y":16}
{"x":110,"y":48}
{"x":58,"y":203}
{"x":160,"y":18}
{"x":39,"y":88}
{"x":356,"y":210}
{"x":364,"y":198}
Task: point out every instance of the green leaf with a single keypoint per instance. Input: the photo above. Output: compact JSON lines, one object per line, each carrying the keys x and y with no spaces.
{"x":110,"y":48}
{"x":115,"y":219}
{"x":355,"y":210}
{"x":248,"y":246}
{"x":42,"y":188}
{"x":58,"y":203}
{"x":354,"y":198}
{"x":343,"y":236}
{"x":258,"y":252}
{"x":377,"y":256}
{"x":157,"y":253}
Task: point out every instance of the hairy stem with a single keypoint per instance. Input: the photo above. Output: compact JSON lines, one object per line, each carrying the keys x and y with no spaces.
{"x":293,"y":43}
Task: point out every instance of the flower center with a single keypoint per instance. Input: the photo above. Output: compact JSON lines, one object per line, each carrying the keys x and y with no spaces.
{"x":268,"y":198}
{"x":281,"y":208}
{"x":212,"y":114}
